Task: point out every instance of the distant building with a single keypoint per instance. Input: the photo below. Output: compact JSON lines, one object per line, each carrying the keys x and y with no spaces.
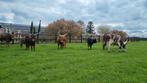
{"x":15,"y":27}
{"x":20,"y":29}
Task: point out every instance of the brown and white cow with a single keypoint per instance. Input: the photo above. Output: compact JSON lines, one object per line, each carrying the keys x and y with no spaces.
{"x":61,"y":41}
{"x":110,"y":39}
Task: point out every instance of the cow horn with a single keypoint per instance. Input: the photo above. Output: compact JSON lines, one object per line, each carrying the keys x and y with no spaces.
{"x":125,"y":42}
{"x":65,"y":34}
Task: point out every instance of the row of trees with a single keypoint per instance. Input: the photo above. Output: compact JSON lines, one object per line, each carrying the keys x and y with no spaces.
{"x":71,"y":27}
{"x":76,"y":29}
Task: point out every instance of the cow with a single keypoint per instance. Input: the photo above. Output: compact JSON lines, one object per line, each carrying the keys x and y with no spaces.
{"x":6,"y":38}
{"x":32,"y":42}
{"x":114,"y":39}
{"x":61,"y":41}
{"x":90,"y":42}
{"x":22,"y":41}
{"x":29,"y":41}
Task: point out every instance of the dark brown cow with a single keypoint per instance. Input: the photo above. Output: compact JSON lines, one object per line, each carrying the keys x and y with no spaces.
{"x":29,"y":42}
{"x":6,"y":38}
{"x":22,"y":41}
{"x":114,"y":39}
{"x":61,"y":41}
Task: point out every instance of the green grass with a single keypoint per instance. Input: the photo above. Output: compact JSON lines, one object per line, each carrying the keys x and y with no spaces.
{"x":74,"y":64}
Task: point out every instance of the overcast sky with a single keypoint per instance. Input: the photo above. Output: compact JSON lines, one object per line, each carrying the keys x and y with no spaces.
{"x":127,"y":15}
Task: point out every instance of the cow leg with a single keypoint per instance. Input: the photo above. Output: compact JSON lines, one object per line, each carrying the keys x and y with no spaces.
{"x":7,"y":43}
{"x":21,"y":44}
{"x":65,"y":44}
{"x":90,"y":46}
{"x":59,"y":45}
{"x":109,"y":44}
{"x":62,"y":45}
{"x":12,"y":41}
{"x":119,"y":44}
{"x":124,"y":47}
{"x":31,"y":48}
{"x":2,"y":42}
{"x":104,"y":45}
{"x":34,"y":47}
{"x":27,"y":47}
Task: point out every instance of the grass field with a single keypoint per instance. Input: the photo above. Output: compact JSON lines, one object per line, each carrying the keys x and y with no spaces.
{"x":74,"y":64}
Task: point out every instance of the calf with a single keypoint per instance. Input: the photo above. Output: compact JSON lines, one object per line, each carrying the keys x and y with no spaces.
{"x":29,"y":42}
{"x":90,"y":42}
{"x":32,"y":42}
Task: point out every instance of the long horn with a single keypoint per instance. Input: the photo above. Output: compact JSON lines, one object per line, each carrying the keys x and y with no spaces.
{"x":125,"y":42}
{"x":65,"y":34}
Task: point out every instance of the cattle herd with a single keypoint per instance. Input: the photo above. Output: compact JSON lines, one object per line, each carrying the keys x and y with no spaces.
{"x":29,"y":40}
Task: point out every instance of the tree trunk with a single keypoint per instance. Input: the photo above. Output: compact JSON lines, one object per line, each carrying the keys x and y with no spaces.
{"x":81,"y":39}
{"x":69,"y":38}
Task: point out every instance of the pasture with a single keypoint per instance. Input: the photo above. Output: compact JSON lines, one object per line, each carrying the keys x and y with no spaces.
{"x":74,"y":64}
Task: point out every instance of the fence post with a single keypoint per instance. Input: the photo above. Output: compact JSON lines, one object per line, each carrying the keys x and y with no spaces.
{"x":81,"y":38}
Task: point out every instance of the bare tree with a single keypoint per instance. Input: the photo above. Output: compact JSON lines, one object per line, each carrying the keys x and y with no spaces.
{"x":102,"y":29}
{"x":83,"y":30}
